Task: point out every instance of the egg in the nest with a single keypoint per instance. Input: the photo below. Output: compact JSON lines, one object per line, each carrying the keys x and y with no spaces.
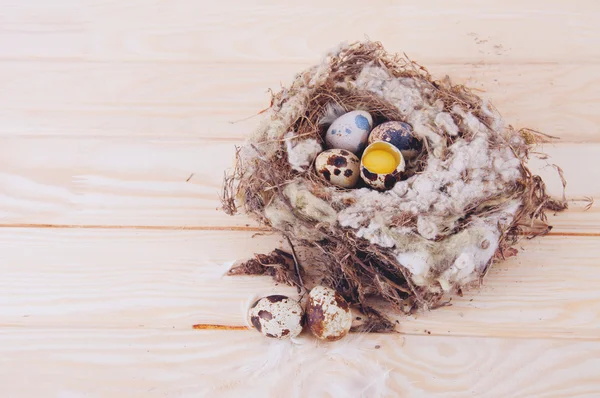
{"x":328,"y":315}
{"x":381,"y":165}
{"x":400,"y":135}
{"x":350,"y":131}
{"x":338,"y":166}
{"x":277,"y":316}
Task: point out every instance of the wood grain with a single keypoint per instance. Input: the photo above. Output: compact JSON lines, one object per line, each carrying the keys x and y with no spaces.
{"x":117,"y":120}
{"x":158,"y":363}
{"x":153,"y":100}
{"x":176,"y":183}
{"x":267,"y":31}
{"x":175,"y":279}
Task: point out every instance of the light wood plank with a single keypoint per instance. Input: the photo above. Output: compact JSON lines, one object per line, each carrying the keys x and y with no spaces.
{"x":268,"y":31}
{"x":174,"y":279}
{"x":116,"y":117}
{"x":141,"y":182}
{"x":180,"y":100}
{"x":153,"y":363}
{"x":138,"y":182}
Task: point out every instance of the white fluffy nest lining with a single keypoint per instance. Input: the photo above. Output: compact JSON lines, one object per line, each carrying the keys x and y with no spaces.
{"x":464,"y":201}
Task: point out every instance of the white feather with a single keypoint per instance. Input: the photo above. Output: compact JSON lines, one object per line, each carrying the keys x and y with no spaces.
{"x":333,"y":110}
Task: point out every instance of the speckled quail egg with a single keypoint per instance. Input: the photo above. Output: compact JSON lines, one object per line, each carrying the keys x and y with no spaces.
{"x":350,"y":131}
{"x":339,"y":167}
{"x":328,"y":315}
{"x":277,"y":316}
{"x":400,"y":135}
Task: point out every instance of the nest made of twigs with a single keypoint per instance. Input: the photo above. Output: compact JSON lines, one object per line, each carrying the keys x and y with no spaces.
{"x":361,"y":259}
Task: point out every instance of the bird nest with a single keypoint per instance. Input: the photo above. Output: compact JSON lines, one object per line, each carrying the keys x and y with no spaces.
{"x":462,"y":203}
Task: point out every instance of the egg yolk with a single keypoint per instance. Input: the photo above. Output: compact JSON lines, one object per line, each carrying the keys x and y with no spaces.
{"x":379,"y":161}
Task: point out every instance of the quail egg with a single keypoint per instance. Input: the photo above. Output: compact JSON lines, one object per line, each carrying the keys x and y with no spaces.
{"x":350,"y":131}
{"x":277,"y":316}
{"x":338,"y":166}
{"x":400,"y":135}
{"x":328,"y":315}
{"x":381,"y":165}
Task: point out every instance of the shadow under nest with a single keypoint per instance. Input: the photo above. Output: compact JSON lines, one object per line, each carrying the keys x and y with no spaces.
{"x":367,"y":275}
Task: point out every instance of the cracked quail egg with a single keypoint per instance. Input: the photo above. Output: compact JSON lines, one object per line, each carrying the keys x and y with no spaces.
{"x":381,"y":165}
{"x":328,"y":315}
{"x":277,"y":316}
{"x":339,"y":167}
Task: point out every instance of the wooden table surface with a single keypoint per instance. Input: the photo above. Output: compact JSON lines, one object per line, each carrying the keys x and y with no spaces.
{"x":117,"y":119}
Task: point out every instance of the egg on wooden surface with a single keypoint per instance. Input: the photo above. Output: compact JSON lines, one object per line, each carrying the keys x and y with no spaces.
{"x":381,"y":165}
{"x":350,"y":131}
{"x":277,"y":316}
{"x":338,"y":166}
{"x":400,"y":135}
{"x":328,"y":315}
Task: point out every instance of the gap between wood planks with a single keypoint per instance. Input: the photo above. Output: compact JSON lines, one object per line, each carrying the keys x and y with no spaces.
{"x":140,"y":227}
{"x":237,"y":328}
{"x":402,"y":333}
{"x":207,"y":228}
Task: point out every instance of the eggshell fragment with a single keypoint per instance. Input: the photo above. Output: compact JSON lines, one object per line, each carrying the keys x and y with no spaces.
{"x":339,"y":167}
{"x":276,"y":316}
{"x":350,"y":131}
{"x":328,"y":315}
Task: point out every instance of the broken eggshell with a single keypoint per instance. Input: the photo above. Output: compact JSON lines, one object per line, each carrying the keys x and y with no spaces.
{"x":382,"y":180}
{"x":276,"y":316}
{"x":339,"y":167}
{"x":328,"y":315}
{"x":350,"y":131}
